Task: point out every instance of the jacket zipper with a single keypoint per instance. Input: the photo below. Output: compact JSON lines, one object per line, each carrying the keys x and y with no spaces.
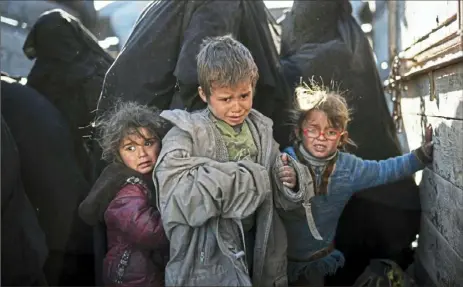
{"x":201,"y":257}
{"x":202,"y":254}
{"x":243,"y":238}
{"x":122,"y":265}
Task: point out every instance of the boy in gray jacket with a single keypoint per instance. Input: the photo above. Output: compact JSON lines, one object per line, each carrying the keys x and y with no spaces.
{"x":215,"y":192}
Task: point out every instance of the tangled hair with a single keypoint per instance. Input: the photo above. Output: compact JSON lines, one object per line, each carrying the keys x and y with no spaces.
{"x":224,"y":62}
{"x":125,"y":119}
{"x":322,"y":98}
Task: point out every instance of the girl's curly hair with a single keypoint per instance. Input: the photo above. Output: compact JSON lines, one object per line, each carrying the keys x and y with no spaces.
{"x":125,"y":119}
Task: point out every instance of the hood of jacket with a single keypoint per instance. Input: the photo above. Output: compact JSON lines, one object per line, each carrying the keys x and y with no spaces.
{"x":110,"y":182}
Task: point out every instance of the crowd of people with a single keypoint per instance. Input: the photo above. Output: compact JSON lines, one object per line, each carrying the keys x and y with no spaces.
{"x":214,"y":201}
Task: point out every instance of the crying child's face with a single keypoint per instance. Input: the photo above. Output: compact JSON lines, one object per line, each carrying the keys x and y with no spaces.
{"x":318,"y":136}
{"x":230,"y":104}
{"x":139,"y":151}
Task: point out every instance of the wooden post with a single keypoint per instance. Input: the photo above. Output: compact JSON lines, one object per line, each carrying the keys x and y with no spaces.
{"x":392,"y":29}
{"x":460,"y":21}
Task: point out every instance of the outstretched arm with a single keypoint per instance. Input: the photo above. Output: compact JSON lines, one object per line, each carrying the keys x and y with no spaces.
{"x":369,"y":173}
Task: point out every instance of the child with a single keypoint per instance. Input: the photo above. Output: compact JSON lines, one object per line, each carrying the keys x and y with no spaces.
{"x":121,"y":198}
{"x":215,"y":193}
{"x":320,"y":131}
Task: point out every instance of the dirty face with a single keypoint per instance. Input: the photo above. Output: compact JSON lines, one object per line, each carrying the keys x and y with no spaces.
{"x":318,"y":136}
{"x":140,"y":152}
{"x":230,"y":104}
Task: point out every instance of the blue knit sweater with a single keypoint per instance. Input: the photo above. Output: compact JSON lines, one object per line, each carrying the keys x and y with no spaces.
{"x":351,"y":174}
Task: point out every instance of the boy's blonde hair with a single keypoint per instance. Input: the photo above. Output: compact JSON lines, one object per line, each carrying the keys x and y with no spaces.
{"x":320,"y":97}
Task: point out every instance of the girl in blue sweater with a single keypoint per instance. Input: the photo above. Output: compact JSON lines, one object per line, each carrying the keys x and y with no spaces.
{"x":321,"y":131}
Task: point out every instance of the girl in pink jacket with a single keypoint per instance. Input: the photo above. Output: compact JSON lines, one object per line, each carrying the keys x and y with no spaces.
{"x":121,"y":198}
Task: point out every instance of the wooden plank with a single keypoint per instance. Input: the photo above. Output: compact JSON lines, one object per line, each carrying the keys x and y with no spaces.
{"x":420,"y":17}
{"x":442,"y":204}
{"x":448,"y":91}
{"x":448,"y":149}
{"x":441,"y":262}
{"x":443,"y":40}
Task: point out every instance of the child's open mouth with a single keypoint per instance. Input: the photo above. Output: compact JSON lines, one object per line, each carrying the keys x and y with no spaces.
{"x":319,"y":147}
{"x":145,"y":164}
{"x":235,"y":119}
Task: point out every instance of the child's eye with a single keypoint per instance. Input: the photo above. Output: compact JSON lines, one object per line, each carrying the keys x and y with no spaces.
{"x":226,"y":100}
{"x":130,"y":148}
{"x":149,"y":143}
{"x":332,"y":132}
{"x":244,"y":96}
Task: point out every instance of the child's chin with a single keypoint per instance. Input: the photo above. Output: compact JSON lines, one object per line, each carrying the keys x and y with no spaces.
{"x":146,"y":170}
{"x":320,"y":154}
{"x":235,"y":122}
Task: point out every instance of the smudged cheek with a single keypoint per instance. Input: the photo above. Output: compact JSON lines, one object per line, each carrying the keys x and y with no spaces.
{"x":130,"y":161}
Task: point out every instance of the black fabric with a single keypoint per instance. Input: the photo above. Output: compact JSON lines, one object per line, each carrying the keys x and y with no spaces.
{"x":143,"y":71}
{"x":368,"y":230}
{"x":157,"y":65}
{"x":69,"y":71}
{"x":52,"y":180}
{"x":86,"y":10}
{"x":24,"y":249}
{"x":100,"y":247}
{"x":322,"y":41}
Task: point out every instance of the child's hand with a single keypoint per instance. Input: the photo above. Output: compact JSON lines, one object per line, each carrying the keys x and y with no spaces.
{"x":287,"y":174}
{"x":424,"y":153}
{"x":428,"y":144}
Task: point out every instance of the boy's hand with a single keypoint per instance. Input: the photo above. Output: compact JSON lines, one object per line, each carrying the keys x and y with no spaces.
{"x":287,"y":174}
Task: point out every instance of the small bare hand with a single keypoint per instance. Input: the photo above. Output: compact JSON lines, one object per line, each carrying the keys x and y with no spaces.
{"x":428,"y":144}
{"x":286,"y":173}
{"x":428,"y":134}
